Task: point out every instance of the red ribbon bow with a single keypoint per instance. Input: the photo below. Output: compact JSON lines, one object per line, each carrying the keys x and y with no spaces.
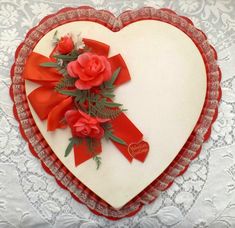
{"x":51,"y":105}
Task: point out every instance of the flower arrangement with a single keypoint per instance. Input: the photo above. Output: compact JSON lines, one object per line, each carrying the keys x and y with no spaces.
{"x":88,"y":82}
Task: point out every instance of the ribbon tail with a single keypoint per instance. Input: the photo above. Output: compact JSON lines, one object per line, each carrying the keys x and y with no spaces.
{"x":124,"y":129}
{"x":82,"y":152}
{"x":122,"y":126}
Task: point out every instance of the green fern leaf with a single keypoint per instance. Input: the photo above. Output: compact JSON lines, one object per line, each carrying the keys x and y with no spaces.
{"x":109,"y":84}
{"x":65,"y":82}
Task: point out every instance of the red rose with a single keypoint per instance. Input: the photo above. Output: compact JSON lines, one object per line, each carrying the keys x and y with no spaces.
{"x":90,"y":69}
{"x":65,"y":45}
{"x":83,"y":125}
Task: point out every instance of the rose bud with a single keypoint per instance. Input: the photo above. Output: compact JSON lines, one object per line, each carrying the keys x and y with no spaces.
{"x":65,"y":45}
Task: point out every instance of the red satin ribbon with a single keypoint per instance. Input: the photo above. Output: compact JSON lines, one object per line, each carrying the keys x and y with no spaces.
{"x":50,"y":105}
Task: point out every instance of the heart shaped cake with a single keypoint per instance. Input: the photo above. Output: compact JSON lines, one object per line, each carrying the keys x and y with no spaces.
{"x":115,"y":107}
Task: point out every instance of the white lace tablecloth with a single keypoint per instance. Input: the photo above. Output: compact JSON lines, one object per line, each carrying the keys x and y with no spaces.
{"x":203,"y":197}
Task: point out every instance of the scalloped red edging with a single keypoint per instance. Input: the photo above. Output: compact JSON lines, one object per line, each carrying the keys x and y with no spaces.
{"x":42,"y":151}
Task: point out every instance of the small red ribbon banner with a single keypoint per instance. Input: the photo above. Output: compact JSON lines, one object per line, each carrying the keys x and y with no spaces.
{"x":51,"y":105}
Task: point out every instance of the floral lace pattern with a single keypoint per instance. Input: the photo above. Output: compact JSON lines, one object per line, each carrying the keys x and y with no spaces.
{"x":37,"y":201}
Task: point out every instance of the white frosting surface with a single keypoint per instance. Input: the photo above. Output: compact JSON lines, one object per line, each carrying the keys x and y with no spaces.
{"x":164,"y":100}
